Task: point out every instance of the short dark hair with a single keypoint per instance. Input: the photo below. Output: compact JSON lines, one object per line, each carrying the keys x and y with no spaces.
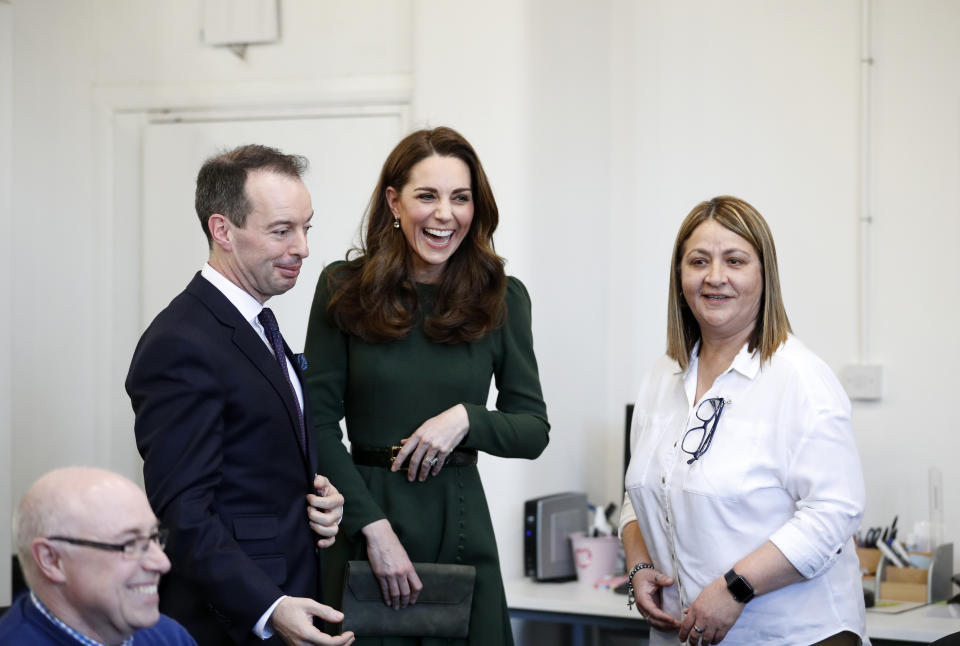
{"x":222,"y":178}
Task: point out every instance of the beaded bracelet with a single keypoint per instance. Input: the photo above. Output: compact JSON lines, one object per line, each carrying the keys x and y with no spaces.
{"x":631,"y":599}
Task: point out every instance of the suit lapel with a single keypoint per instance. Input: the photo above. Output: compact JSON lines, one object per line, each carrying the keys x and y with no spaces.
{"x":253,"y":347}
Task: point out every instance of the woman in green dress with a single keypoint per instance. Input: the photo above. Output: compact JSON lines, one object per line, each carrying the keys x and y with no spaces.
{"x":403,"y":339}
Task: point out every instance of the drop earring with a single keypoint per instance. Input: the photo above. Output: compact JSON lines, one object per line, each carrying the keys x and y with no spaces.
{"x":396,"y":223}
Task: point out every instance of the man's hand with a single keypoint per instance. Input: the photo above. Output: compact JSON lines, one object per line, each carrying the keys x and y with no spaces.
{"x":292,"y":619}
{"x":399,"y":582}
{"x":324,"y":510}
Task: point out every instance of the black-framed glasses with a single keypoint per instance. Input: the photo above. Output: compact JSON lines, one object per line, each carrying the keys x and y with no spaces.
{"x":697,"y":440}
{"x":132,"y":549}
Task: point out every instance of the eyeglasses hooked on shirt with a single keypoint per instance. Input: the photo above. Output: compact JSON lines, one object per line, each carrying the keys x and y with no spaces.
{"x":697,"y":440}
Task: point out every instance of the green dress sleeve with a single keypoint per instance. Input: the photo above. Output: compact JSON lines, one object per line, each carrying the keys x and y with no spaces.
{"x":326,"y":352}
{"x":519,"y":427}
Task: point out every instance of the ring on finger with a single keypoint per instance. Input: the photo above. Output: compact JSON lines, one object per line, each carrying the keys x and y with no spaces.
{"x":433,"y":461}
{"x":698,"y":630}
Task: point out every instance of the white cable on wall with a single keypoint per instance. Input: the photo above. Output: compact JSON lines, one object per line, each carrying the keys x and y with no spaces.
{"x":865,"y":216}
{"x":862,"y":380}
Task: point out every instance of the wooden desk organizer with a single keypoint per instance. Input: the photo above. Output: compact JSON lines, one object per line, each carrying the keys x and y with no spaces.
{"x":910,"y":583}
{"x":869,"y":560}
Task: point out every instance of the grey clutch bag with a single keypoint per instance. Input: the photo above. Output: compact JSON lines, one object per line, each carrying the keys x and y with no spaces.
{"x":441,"y":610}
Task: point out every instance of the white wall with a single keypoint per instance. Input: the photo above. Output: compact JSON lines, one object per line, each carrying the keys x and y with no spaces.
{"x":914,"y":306}
{"x":67,"y":54}
{"x":601,"y":124}
{"x":530,"y":113}
{"x":6,"y":219}
{"x":758,"y":102}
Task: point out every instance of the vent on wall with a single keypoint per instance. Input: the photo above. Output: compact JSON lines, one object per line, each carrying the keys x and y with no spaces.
{"x":238,"y":23}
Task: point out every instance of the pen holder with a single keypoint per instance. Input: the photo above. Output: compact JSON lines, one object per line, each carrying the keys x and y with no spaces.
{"x":917,"y":584}
{"x":869,"y":560}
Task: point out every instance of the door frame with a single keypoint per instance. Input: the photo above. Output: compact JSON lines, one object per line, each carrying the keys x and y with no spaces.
{"x":121,"y":113}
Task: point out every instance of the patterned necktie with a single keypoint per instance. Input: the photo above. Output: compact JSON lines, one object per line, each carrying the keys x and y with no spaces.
{"x":272,"y":330}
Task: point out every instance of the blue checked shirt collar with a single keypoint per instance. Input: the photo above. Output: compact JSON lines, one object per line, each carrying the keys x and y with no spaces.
{"x":81,"y":639}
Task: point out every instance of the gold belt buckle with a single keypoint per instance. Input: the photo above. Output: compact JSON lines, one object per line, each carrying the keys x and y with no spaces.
{"x":394,"y":450}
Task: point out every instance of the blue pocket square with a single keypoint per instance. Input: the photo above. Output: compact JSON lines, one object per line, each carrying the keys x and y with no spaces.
{"x":300,"y":360}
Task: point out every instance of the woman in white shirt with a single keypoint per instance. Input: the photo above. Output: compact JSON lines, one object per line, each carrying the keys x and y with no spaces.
{"x":744,"y":488}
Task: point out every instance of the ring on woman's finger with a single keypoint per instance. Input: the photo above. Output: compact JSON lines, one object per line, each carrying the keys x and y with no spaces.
{"x":433,"y":461}
{"x":698,"y":630}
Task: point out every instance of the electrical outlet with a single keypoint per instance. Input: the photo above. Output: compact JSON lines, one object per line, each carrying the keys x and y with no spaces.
{"x":864,"y":383}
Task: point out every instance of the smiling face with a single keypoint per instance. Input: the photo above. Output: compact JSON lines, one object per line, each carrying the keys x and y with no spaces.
{"x":722,"y":280}
{"x":107,"y":596}
{"x":264,"y":256}
{"x":435,"y":209}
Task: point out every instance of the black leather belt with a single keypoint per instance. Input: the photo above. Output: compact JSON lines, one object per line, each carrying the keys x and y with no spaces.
{"x":370,"y":456}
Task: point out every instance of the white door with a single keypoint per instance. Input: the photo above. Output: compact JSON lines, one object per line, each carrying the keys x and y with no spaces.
{"x":345,"y":152}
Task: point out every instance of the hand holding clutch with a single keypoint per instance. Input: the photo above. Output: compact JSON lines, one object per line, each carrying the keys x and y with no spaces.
{"x":399,"y":583}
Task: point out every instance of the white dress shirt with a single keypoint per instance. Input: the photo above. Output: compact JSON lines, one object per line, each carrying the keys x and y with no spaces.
{"x":250,"y":309}
{"x":782,"y":467}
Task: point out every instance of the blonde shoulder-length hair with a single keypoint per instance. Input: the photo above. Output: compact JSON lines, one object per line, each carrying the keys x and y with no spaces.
{"x":772,"y":326}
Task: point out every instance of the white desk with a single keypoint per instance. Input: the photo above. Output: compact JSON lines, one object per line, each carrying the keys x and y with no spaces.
{"x":570,"y":603}
{"x":584,"y":606}
{"x":924,"y":624}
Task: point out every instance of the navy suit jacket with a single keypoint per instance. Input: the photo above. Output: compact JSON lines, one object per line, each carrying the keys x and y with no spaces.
{"x":217,"y":426}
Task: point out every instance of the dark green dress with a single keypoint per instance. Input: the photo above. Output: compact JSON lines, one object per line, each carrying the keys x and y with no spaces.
{"x":385,"y":391}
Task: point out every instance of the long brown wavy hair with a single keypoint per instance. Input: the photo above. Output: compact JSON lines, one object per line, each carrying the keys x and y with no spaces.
{"x":373,"y":296}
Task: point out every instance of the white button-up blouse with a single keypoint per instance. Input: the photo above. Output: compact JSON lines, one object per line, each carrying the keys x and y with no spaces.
{"x":782,"y":466}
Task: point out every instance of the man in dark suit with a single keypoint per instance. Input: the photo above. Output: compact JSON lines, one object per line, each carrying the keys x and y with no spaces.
{"x":221,"y":420}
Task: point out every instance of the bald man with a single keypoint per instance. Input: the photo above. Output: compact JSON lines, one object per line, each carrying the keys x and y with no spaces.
{"x":92,"y":554}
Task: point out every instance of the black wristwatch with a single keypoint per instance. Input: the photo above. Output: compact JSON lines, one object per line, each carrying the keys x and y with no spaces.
{"x":738,"y":587}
